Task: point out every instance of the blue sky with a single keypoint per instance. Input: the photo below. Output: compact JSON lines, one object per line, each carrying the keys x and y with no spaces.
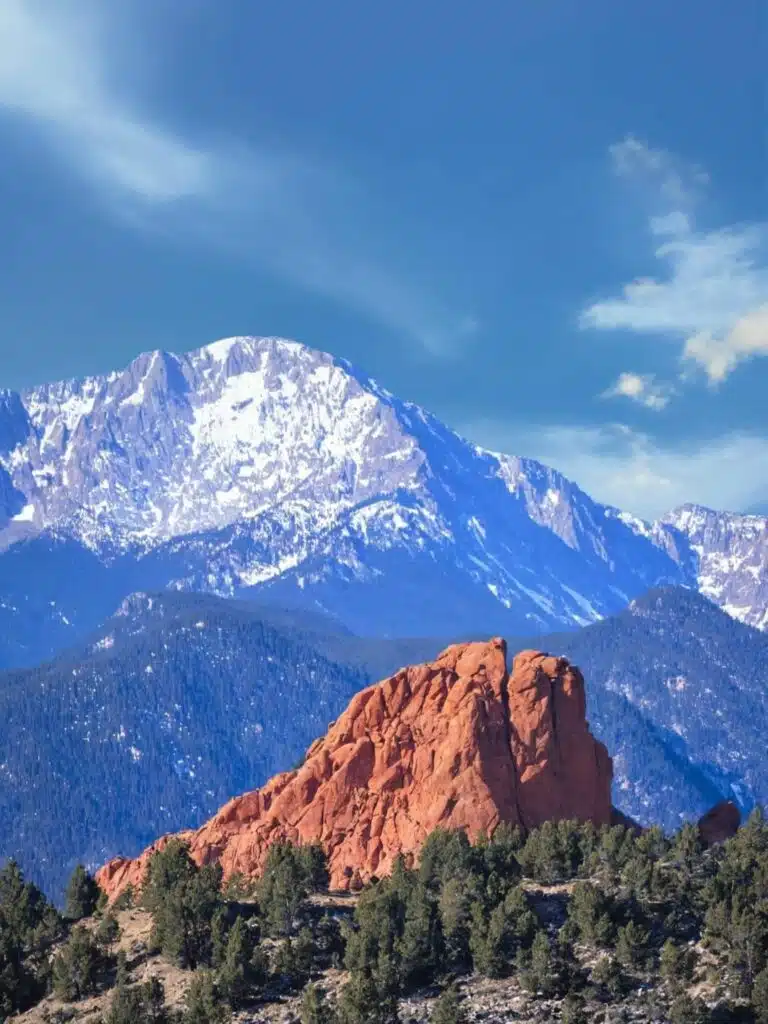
{"x":545,"y":222}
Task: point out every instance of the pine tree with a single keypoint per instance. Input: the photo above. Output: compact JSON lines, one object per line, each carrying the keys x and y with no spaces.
{"x":234,"y":978}
{"x":184,"y":901}
{"x":454,"y":907}
{"x":314,"y":867}
{"x":108,"y":931}
{"x":589,"y":910}
{"x":203,"y":1004}
{"x":420,"y":946}
{"x":28,"y":927}
{"x":632,"y":945}
{"x":82,"y":895}
{"x":125,"y":899}
{"x":315,"y":1008}
{"x":75,"y":966}
{"x":608,"y":975}
{"x":362,"y":1002}
{"x":138,"y":1004}
{"x":760,"y":997}
{"x":489,"y":940}
{"x":282,"y":889}
{"x":685,"y":1010}
{"x":675,"y":964}
{"x":448,"y":1008}
{"x":573,"y":1011}
{"x":122,"y":974}
{"x":540,"y":971}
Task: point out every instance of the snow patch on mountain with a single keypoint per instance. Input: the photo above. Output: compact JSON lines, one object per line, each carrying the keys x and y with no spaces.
{"x":256,"y":462}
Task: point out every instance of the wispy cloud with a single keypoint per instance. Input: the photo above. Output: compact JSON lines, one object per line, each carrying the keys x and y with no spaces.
{"x":627,"y":468}
{"x":641,"y":388}
{"x":54,"y":69}
{"x":711,"y":294}
{"x":285,"y":212}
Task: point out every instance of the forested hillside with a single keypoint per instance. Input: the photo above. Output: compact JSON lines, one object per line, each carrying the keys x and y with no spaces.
{"x":569,"y":924}
{"x":178,"y":703}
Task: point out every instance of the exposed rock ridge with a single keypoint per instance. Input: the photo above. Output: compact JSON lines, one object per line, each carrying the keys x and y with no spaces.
{"x":457,"y":743}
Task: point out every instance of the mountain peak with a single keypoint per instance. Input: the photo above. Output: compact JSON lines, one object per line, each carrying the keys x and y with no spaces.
{"x":257,"y":462}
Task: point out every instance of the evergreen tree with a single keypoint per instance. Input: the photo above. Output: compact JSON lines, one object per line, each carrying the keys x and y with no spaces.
{"x":138,"y":1004}
{"x":28,"y":927}
{"x":573,"y":1010}
{"x":608,"y":975}
{"x":590,"y":912}
{"x":75,"y":967}
{"x":760,"y":997}
{"x":184,"y":901}
{"x":420,"y":946}
{"x":235,"y":976}
{"x":314,"y":867}
{"x":362,"y":1002}
{"x":632,"y":945}
{"x":685,"y":1010}
{"x":448,"y":1008}
{"x":489,"y":940}
{"x":282,"y":889}
{"x":108,"y":931}
{"x":203,"y":1003}
{"x":125,"y":900}
{"x":675,"y":964}
{"x":122,"y":974}
{"x":315,"y":1008}
{"x":454,"y":907}
{"x":82,"y":895}
{"x":540,"y":971}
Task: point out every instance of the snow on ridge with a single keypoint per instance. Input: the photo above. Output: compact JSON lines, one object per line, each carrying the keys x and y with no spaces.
{"x":291,"y":444}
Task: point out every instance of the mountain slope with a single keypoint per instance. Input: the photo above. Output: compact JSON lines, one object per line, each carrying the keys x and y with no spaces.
{"x":677,"y":692}
{"x":260,"y":466}
{"x":179,"y":701}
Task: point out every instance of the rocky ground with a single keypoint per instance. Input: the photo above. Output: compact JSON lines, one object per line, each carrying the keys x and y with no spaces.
{"x":486,"y":1001}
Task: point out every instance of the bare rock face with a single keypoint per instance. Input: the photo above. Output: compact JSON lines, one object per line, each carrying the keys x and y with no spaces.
{"x":458,"y":743}
{"x":720,"y":823}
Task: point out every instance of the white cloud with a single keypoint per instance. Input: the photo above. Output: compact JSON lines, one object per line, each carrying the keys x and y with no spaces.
{"x":665,"y":178}
{"x":622,"y":467}
{"x":711,"y":293}
{"x":748,"y":337}
{"x":58,"y":67}
{"x":641,"y":388}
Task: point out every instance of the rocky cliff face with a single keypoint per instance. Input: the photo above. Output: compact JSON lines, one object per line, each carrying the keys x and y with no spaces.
{"x":458,"y":743}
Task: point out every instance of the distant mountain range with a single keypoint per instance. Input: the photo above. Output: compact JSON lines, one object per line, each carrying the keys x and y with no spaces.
{"x":257,"y":467}
{"x":181,"y":701}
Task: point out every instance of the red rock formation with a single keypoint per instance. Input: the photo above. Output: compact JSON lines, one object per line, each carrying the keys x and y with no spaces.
{"x":458,"y":743}
{"x":720,"y":823}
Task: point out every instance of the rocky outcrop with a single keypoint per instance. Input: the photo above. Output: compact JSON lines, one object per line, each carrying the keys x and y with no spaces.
{"x":720,"y":823}
{"x":458,"y":743}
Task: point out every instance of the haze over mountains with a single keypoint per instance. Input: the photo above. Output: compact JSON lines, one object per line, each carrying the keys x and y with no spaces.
{"x":260,"y":466}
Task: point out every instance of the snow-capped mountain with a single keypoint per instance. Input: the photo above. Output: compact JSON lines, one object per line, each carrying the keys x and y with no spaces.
{"x":730,"y":555}
{"x":261,"y":463}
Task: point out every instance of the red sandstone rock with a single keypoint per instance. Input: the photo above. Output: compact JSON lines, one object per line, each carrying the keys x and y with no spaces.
{"x":457,"y":743}
{"x":720,"y":822}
